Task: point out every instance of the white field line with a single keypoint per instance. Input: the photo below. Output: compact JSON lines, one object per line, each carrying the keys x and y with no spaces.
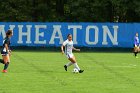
{"x":125,"y":66}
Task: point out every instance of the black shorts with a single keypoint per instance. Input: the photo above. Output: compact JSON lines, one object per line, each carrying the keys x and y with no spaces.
{"x":4,"y":53}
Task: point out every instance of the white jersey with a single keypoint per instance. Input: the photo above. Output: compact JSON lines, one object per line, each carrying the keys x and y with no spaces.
{"x":68,"y":46}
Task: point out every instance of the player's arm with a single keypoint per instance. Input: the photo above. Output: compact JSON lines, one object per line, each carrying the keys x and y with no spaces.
{"x":63,"y":45}
{"x":75,"y":49}
{"x":62,"y":49}
{"x":7,"y":49}
{"x":135,"y":42}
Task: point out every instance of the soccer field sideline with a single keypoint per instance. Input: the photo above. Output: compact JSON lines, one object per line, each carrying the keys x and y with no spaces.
{"x":40,"y":72}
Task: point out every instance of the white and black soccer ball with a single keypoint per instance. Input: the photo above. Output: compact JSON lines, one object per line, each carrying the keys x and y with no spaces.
{"x":75,"y":70}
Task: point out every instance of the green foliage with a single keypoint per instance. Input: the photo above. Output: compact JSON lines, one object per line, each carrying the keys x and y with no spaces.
{"x":70,"y":10}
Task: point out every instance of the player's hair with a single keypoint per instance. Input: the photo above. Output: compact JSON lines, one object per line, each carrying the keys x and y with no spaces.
{"x":68,"y":35}
{"x":9,"y":32}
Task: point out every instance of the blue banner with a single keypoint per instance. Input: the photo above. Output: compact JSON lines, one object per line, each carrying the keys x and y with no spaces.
{"x":84,"y":34}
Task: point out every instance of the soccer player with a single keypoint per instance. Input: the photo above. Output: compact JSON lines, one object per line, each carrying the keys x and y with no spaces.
{"x":6,"y":52}
{"x":136,"y":45}
{"x":68,"y":44}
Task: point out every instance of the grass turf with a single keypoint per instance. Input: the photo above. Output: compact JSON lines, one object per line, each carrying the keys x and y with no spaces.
{"x":43,"y":72}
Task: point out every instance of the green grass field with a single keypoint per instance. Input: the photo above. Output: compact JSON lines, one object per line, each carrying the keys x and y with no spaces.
{"x":43,"y":72}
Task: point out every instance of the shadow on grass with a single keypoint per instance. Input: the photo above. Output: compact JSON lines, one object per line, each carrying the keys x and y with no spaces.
{"x":83,"y":49}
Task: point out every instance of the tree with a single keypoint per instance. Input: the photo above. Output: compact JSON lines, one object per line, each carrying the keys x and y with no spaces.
{"x":70,"y":10}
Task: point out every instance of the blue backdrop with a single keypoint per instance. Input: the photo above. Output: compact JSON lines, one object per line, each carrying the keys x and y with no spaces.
{"x":84,"y":34}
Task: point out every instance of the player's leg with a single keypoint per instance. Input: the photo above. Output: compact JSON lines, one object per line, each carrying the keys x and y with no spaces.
{"x":73,"y":60}
{"x":75,"y":63}
{"x":6,"y":59}
{"x":69,"y":56}
{"x":138,"y":49}
{"x":1,"y":61}
{"x":68,"y":64}
{"x":135,"y":51}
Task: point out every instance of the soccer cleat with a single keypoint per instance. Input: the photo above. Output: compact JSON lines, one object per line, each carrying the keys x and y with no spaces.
{"x":4,"y":71}
{"x":81,"y":71}
{"x":65,"y":67}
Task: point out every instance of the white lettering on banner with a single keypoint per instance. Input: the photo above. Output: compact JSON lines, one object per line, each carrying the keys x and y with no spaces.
{"x":2,"y":31}
{"x":56,"y":30}
{"x":12,"y":27}
{"x":39,"y":34}
{"x":96,"y":30}
{"x":21,"y":34}
{"x":75,"y":28}
{"x":106,"y":32}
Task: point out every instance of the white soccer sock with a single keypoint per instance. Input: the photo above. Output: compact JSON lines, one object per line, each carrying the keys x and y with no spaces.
{"x":69,"y":64}
{"x":76,"y":66}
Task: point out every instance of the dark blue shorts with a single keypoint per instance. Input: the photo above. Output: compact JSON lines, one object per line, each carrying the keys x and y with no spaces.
{"x":137,"y":45}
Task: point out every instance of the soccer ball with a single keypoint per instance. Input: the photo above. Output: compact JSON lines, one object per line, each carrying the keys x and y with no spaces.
{"x":75,"y":70}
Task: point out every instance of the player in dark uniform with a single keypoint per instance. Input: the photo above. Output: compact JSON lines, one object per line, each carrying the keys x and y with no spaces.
{"x":6,"y":52}
{"x":136,"y":45}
